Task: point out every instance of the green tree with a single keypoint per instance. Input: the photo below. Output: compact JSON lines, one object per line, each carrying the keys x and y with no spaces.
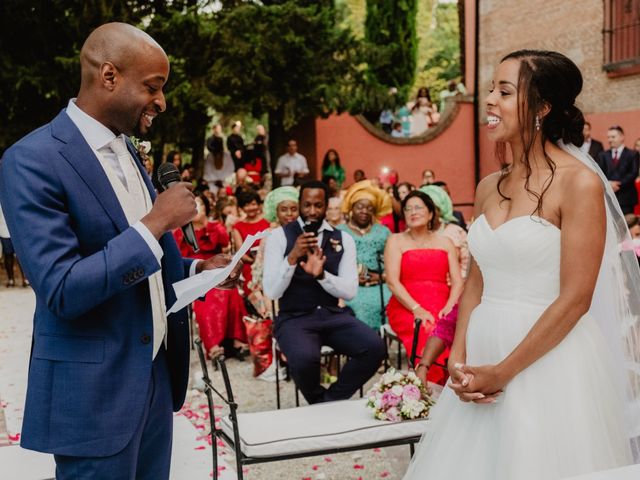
{"x":442,"y":49}
{"x":40,"y":42}
{"x":286,"y":59}
{"x":390,"y":31}
{"x":186,"y":33}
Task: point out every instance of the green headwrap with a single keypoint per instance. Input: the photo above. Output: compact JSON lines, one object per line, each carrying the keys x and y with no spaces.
{"x":442,"y":201}
{"x":275,"y":197}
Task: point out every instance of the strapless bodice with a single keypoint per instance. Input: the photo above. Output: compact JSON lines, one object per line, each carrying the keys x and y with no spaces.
{"x":519,"y":260}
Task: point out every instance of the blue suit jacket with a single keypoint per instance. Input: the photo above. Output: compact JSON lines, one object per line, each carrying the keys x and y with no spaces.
{"x":92,"y":339}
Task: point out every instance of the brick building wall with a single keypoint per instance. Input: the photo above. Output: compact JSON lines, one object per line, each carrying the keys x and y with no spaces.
{"x":572,"y":27}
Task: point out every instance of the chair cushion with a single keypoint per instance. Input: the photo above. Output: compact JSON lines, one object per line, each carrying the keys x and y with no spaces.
{"x":316,"y":427}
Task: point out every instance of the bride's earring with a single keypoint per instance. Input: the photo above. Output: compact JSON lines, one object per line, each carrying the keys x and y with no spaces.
{"x":537,"y":122}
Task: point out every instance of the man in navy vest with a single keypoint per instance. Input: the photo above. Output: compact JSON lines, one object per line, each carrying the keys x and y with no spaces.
{"x":309,"y":266}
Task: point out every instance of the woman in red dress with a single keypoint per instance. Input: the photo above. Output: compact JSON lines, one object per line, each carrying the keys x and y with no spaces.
{"x":219,"y":315}
{"x":253,"y":223}
{"x":422,"y":272}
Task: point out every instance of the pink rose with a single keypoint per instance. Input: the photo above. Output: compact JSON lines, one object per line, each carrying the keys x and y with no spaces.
{"x":389,"y":399}
{"x":393,"y":415}
{"x":411,"y":392}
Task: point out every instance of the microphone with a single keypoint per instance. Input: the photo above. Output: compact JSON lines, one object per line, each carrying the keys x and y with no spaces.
{"x":168,"y":176}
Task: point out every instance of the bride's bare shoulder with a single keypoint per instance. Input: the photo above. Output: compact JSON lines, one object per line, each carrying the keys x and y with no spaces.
{"x":575,"y":179}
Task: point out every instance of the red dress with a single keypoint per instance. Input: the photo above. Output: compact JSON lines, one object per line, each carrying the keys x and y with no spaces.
{"x":254,"y":170}
{"x":245,"y":229}
{"x":219,"y":315}
{"x":423,"y":273}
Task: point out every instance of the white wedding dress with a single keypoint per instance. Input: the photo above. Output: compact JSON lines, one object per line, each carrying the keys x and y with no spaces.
{"x":561,"y":416}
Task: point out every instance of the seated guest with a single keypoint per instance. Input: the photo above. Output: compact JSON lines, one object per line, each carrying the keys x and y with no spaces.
{"x":422,"y":271}
{"x":309,"y":266}
{"x":253,"y":223}
{"x":459,"y":217}
{"x":364,"y":206}
{"x":219,"y":315}
{"x":447,"y":224}
{"x":280,"y":208}
{"x":334,"y":212}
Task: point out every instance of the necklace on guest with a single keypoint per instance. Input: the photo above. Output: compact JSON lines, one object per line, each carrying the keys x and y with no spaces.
{"x":361,"y":231}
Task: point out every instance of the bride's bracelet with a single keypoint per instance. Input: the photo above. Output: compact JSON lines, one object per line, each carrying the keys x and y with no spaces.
{"x":422,"y":365}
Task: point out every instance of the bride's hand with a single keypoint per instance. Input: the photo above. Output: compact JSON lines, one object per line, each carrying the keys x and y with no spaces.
{"x":486,"y":380}
{"x":460,"y":383}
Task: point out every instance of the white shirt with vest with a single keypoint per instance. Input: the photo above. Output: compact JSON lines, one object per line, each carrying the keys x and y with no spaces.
{"x":277,"y":272}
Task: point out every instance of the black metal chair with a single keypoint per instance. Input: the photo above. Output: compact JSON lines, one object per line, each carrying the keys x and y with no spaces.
{"x":386,"y":332}
{"x":385,"y":433}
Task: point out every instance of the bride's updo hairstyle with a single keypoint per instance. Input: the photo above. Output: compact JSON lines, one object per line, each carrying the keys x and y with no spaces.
{"x":545,"y":79}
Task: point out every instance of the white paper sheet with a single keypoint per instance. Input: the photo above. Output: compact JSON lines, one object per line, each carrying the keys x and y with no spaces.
{"x":192,"y":288}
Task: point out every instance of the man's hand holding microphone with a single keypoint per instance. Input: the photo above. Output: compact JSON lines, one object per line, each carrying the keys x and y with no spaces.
{"x":174,"y":208}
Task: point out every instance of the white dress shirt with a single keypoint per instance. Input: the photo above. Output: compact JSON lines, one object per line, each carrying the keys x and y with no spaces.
{"x":133,"y":195}
{"x":277,"y":272}
{"x":98,"y":137}
{"x":295,"y":163}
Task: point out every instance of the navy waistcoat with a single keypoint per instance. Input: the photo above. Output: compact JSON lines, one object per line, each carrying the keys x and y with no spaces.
{"x":304,"y":292}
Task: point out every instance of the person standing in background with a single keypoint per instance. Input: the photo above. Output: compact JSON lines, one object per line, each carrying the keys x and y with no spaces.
{"x":291,"y":166}
{"x":331,"y":167}
{"x":620,"y":166}
{"x":235,"y":144}
{"x":590,"y":146}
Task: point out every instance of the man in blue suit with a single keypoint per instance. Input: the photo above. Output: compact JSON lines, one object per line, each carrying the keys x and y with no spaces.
{"x":108,"y":365}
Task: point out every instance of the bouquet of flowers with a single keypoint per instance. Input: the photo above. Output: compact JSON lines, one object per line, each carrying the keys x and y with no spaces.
{"x":399,"y":396}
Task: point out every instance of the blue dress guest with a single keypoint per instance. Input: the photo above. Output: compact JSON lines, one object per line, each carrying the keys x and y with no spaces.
{"x":309,"y":266}
{"x":107,"y":365}
{"x":364,"y":204}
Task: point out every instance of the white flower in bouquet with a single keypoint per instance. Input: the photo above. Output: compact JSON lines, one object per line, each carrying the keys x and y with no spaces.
{"x":399,"y":396}
{"x":397,"y":390}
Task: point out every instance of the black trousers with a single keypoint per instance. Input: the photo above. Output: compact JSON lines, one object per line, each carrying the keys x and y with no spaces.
{"x":300,"y":337}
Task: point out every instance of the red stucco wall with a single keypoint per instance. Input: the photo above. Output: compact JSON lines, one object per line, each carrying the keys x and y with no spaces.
{"x":449,"y":155}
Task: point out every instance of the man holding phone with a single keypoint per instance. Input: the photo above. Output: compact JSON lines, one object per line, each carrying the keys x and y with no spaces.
{"x":309,"y":266}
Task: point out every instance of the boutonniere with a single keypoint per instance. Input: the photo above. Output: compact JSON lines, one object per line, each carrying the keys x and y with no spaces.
{"x":337,"y":246}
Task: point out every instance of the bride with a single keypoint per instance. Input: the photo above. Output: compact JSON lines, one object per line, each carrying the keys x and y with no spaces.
{"x":537,"y":388}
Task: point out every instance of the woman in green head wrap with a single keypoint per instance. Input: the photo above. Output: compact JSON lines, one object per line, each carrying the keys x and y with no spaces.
{"x":280,"y":207}
{"x":448,"y":225}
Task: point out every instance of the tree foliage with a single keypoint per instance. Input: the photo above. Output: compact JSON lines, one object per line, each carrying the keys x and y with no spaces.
{"x":390,"y":31}
{"x":442,"y":50}
{"x":40,"y":41}
{"x":286,"y":59}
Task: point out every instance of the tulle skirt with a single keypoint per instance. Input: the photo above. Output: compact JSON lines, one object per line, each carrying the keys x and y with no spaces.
{"x":561,"y":416}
